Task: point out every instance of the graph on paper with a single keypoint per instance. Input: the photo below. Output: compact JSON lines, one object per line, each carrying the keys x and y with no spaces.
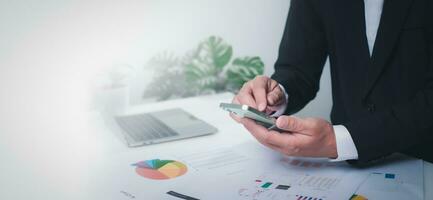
{"x":304,"y":163}
{"x":379,"y":185}
{"x":289,"y":186}
{"x":266,"y":188}
{"x":160,"y":169}
{"x":218,"y":160}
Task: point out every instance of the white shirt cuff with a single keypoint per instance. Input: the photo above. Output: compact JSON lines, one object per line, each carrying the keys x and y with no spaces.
{"x":346,"y":148}
{"x":282,"y":108}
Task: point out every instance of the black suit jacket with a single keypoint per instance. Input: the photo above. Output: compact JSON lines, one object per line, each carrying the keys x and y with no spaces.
{"x":386,"y":100}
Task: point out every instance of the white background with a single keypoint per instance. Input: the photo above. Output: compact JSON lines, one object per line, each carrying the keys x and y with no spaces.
{"x":51,"y":50}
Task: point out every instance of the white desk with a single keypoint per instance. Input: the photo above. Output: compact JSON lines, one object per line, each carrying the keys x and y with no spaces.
{"x":59,"y":165}
{"x":206,"y":108}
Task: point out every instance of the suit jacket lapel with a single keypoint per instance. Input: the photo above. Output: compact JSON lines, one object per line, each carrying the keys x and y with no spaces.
{"x":394,"y":13}
{"x":352,"y":40}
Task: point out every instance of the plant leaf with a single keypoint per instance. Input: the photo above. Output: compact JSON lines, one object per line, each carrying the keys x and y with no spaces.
{"x":242,"y":70}
{"x":217,"y":50}
{"x":203,"y":70}
{"x":204,"y":66}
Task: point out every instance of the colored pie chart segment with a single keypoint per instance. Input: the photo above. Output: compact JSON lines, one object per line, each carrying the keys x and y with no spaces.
{"x":357,"y":197}
{"x":160,"y":169}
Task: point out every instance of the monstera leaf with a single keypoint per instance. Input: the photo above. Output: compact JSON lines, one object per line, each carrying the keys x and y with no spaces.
{"x":218,"y":50}
{"x":204,"y":67}
{"x":243,"y":70}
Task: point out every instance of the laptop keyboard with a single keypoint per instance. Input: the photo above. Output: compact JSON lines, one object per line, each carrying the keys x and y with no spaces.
{"x":144,"y":127}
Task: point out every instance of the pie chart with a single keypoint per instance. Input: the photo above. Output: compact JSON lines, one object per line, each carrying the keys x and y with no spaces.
{"x":357,"y":197}
{"x":160,"y":169}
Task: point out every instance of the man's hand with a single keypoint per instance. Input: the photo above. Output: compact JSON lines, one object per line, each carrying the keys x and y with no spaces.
{"x":312,"y":137}
{"x":261,"y":93}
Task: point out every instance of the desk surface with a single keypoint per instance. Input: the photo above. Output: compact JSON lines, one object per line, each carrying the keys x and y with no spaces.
{"x":63,"y":164}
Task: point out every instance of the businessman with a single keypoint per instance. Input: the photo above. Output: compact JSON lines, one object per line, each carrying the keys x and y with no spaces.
{"x":381,"y":54}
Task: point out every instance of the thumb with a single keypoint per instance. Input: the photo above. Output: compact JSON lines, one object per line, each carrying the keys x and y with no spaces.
{"x":290,"y":123}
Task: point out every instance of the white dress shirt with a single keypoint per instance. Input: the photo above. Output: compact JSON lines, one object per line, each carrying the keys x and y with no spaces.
{"x":346,"y":148}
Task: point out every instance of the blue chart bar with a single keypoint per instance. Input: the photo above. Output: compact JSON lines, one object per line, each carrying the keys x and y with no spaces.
{"x":387,"y":175}
{"x":390,"y":176}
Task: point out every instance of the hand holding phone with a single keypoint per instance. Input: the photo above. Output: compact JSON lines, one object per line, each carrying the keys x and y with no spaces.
{"x":251,"y":113}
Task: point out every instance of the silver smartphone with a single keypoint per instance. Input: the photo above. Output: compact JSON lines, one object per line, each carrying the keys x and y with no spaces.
{"x":251,"y":113}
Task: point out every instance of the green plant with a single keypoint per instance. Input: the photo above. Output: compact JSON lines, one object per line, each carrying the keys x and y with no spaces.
{"x":206,"y":69}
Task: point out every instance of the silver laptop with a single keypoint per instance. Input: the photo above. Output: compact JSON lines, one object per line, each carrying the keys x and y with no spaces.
{"x":161,"y":126}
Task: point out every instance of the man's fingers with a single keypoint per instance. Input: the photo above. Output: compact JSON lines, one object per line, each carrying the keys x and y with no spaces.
{"x":261,"y":133}
{"x":275,"y":93}
{"x":247,"y":99}
{"x":290,"y":123}
{"x":275,"y":97}
{"x":245,"y":95}
{"x":233,"y":116}
{"x":259,"y":88}
{"x":265,"y":136}
{"x":286,"y":143}
{"x":255,"y":93}
{"x":258,"y":131}
{"x":260,"y":96}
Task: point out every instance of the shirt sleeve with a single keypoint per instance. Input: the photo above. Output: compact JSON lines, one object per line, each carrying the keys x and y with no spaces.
{"x":346,"y":148}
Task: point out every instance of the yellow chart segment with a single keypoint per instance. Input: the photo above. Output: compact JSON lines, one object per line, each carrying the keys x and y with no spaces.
{"x":169,"y":166}
{"x":178,"y":164}
{"x":181,"y":166}
{"x":173,"y":169}
{"x":358,"y":197}
{"x":170,"y":173}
